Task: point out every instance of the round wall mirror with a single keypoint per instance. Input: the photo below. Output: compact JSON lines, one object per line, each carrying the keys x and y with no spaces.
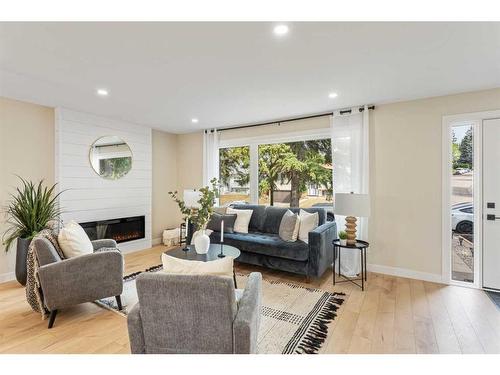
{"x":111,"y":157}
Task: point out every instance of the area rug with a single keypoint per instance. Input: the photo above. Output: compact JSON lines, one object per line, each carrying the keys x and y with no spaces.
{"x":294,"y":319}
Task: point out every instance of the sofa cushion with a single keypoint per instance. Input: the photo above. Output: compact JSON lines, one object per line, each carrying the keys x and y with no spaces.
{"x":308,"y":222}
{"x":219,"y":267}
{"x":258,"y":215}
{"x":265,"y":244}
{"x":216,"y":219}
{"x":273,"y":219}
{"x":289,"y":227}
{"x":74,"y":241}
{"x":242,"y":219}
{"x":320,"y":210}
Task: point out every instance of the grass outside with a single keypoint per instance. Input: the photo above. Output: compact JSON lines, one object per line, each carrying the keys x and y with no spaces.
{"x":305,"y":201}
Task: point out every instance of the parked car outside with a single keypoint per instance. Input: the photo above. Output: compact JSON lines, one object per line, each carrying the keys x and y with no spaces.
{"x":461,"y":171}
{"x":462,"y":218}
{"x":330,"y":216}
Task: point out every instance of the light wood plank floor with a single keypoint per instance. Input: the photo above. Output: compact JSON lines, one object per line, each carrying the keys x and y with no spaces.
{"x":392,"y":315}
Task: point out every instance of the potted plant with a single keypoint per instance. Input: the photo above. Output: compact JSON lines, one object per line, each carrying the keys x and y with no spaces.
{"x":31,"y":207}
{"x":200,"y":216}
{"x":343,"y":237}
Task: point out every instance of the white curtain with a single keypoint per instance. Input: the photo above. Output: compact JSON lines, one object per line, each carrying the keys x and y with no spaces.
{"x":350,"y":155}
{"x":210,"y":156}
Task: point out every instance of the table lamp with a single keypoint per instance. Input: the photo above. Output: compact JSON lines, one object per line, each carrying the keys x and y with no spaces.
{"x":352,"y":205}
{"x":191,"y":201}
{"x":191,"y":198}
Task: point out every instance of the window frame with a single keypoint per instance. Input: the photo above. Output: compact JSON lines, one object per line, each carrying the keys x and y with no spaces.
{"x":254,"y":142}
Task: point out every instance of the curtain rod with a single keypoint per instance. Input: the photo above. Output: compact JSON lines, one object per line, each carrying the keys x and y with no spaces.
{"x":342,"y":112}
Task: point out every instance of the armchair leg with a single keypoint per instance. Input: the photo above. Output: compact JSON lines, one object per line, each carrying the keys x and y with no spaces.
{"x":52,"y":318}
{"x":119,"y":302}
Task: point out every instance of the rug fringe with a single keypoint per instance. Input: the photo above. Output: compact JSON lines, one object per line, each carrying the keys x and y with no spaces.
{"x":133,"y":275}
{"x":318,"y":329}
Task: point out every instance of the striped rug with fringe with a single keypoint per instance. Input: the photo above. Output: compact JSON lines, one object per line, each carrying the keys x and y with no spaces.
{"x":294,"y":319}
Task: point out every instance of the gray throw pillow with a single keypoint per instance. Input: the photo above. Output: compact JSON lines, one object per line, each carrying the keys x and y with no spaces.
{"x":289,"y":227}
{"x":215,"y":221}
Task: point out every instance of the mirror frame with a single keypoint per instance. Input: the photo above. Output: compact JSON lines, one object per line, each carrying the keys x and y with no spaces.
{"x":90,"y":157}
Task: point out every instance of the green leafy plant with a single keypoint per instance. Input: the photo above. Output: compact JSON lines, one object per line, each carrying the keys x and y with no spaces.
{"x":199,"y":216}
{"x":343,"y":235}
{"x":31,"y":208}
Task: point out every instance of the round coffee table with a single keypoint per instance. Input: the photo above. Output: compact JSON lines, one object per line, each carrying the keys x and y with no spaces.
{"x":213,"y":254}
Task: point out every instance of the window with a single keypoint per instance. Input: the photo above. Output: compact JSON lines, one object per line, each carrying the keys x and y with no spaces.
{"x":462,"y":206}
{"x":287,"y":174}
{"x":295,"y":174}
{"x":234,"y":175}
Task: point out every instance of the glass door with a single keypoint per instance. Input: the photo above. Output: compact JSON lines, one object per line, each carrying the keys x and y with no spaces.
{"x":462,"y":203}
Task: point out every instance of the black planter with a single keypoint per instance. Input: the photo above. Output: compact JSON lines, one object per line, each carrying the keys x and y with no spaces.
{"x":21,"y":258}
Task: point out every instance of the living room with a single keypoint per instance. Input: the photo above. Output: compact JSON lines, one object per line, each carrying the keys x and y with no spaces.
{"x":311,"y":187}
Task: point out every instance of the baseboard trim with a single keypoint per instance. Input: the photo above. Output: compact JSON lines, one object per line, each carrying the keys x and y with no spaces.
{"x":157,"y":241}
{"x":404,"y":272}
{"x":8,"y":276}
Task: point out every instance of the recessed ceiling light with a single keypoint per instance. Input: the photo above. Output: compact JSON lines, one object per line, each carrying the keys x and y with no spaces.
{"x":333,"y":95}
{"x":280,"y":29}
{"x":194,"y":120}
{"x":102,"y":92}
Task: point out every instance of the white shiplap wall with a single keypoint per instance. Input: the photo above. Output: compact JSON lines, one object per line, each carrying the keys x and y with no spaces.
{"x":89,"y":197}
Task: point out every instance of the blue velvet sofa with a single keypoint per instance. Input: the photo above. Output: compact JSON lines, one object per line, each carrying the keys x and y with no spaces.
{"x":262,"y":245}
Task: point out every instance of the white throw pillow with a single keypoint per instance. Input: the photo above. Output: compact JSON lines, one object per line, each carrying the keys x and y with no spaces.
{"x":308,"y":222}
{"x":73,"y":240}
{"x":219,"y":267}
{"x":289,"y":227}
{"x":242,"y":219}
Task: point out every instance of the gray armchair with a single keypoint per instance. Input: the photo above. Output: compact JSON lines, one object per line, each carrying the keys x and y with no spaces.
{"x":85,"y":278}
{"x":194,"y":314}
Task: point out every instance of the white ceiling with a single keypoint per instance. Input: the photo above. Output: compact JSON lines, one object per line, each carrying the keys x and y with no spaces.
{"x":164,"y":74}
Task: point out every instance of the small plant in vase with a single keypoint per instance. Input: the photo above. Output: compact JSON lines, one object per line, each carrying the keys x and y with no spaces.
{"x":343,"y":237}
{"x":200,"y":215}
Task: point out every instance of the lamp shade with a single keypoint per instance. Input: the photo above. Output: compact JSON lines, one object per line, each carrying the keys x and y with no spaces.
{"x":191,"y":198}
{"x":349,"y":204}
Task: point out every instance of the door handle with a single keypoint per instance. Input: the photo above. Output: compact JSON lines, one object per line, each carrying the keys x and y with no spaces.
{"x":492,"y":217}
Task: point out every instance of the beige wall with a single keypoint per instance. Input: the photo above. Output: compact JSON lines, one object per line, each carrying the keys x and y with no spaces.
{"x":405,"y":178}
{"x":189,"y":161}
{"x":165,"y":213}
{"x":273,"y":129}
{"x":26,"y":149}
{"x":405,"y":175}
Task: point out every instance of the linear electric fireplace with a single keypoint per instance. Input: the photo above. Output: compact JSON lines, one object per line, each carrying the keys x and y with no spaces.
{"x":121,"y":230}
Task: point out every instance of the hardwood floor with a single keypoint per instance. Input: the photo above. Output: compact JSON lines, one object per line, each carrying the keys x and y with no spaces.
{"x":392,"y":315}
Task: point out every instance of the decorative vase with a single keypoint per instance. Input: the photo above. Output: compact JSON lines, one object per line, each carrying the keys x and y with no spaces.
{"x":343,"y":242}
{"x":21,"y":259}
{"x":201,"y":242}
